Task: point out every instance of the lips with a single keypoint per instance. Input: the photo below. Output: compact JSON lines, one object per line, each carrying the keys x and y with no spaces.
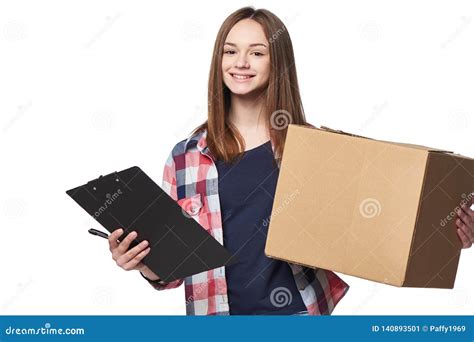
{"x":241,"y":77}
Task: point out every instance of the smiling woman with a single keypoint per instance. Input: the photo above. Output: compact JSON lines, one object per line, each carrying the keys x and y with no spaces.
{"x":252,"y":70}
{"x":227,"y":171}
{"x":231,"y":162}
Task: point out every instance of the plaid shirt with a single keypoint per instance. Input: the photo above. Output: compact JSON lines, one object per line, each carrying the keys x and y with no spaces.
{"x":190,"y":178}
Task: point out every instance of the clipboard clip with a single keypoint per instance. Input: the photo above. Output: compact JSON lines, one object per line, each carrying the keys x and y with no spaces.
{"x":117,"y":178}
{"x":98,"y":181}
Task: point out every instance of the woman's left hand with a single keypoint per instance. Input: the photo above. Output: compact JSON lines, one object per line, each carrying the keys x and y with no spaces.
{"x":465,"y":224}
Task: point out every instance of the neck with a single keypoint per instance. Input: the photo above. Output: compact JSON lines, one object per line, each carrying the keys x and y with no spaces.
{"x":246,"y":113}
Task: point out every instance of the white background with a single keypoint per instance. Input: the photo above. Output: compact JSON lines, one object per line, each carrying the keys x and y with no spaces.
{"x":88,"y":88}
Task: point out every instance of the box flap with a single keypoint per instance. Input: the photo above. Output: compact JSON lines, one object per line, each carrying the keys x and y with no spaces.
{"x":325,"y":128}
{"x":419,"y":147}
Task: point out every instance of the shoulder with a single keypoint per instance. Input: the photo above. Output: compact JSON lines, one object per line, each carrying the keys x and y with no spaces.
{"x":188,"y":144}
{"x":179,"y":148}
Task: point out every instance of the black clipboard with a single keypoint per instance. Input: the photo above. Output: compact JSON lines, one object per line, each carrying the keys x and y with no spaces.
{"x":131,"y":200}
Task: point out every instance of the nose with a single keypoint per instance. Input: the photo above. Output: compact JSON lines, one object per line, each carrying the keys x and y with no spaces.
{"x":242,"y":62}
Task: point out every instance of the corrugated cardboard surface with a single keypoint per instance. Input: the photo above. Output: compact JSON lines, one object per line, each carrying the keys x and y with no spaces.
{"x":351,"y":205}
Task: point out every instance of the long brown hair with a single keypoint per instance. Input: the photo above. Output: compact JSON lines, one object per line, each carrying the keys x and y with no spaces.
{"x":282,"y":104}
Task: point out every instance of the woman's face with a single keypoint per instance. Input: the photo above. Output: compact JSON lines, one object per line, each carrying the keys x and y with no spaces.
{"x":246,"y":58}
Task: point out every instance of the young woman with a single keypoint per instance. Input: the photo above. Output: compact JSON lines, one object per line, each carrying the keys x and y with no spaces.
{"x":226,"y":172}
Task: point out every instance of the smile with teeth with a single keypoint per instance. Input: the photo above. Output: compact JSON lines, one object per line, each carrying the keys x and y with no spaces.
{"x":242,"y":77}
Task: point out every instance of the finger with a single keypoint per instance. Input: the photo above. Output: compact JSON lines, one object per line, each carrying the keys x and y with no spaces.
{"x":125,"y":244}
{"x":113,"y":238}
{"x":464,"y":217}
{"x":466,"y":230}
{"x":132,"y":253}
{"x":466,"y":242}
{"x":136,"y":260}
{"x":466,"y":207}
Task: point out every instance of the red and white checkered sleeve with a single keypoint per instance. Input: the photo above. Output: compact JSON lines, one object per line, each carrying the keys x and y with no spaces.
{"x":169,"y":177}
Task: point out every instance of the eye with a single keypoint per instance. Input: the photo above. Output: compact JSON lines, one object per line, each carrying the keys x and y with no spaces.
{"x":229,"y":52}
{"x":256,"y":53}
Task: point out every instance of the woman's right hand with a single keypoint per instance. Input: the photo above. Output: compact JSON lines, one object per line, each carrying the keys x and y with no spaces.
{"x":130,"y":259}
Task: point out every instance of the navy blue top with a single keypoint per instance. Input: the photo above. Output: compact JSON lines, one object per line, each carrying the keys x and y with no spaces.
{"x":256,"y":284}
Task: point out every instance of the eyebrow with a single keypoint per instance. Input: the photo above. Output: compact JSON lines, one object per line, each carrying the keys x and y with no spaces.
{"x":250,"y":45}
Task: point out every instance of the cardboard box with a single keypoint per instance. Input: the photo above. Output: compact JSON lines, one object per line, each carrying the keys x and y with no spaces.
{"x":377,"y":210}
